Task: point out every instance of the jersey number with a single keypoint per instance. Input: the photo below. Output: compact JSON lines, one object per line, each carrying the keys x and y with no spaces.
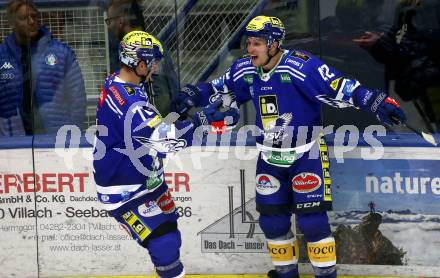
{"x":325,"y":72}
{"x":141,"y":112}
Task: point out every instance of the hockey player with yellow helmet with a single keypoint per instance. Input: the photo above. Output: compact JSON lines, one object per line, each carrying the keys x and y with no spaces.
{"x":287,"y":88}
{"x":131,"y":140}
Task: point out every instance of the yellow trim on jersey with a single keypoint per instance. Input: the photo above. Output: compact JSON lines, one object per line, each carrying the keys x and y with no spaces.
{"x":154,"y":122}
{"x":335,"y":84}
{"x":323,"y":150}
{"x":136,"y":225}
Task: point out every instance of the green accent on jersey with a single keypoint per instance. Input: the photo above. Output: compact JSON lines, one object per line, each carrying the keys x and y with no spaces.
{"x":266,"y":76}
{"x":285,"y":78}
{"x":282,"y":158}
{"x":154,"y":181}
{"x":248,"y":79}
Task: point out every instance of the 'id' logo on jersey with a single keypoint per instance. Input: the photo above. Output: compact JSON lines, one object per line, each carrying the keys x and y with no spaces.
{"x":268,"y":106}
{"x":268,"y":109}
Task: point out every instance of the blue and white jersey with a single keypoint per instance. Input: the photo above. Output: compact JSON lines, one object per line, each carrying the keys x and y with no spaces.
{"x":288,"y":98}
{"x":130,"y":143}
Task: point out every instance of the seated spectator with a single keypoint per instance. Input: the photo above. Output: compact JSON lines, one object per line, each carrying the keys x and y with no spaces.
{"x":41,"y":85}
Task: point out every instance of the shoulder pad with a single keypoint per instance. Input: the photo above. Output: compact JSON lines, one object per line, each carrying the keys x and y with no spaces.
{"x":241,"y":67}
{"x":242,"y":63}
{"x":293,"y":62}
{"x":125,"y":89}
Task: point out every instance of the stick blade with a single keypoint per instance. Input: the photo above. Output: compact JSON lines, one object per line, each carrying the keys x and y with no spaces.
{"x":429,"y":138}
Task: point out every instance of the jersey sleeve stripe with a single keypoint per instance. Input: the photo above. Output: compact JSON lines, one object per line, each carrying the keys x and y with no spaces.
{"x":292,"y":69}
{"x":242,"y":74}
{"x":340,"y":94}
{"x":117,"y":189}
{"x":334,"y":102}
{"x":113,"y":106}
{"x":241,"y":70}
{"x":113,"y":206}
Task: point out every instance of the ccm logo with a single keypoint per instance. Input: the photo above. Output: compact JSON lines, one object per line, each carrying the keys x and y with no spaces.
{"x":322,"y":250}
{"x":308,"y":205}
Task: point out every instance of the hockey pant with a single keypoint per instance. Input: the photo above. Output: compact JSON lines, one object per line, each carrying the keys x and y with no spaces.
{"x":158,"y":233}
{"x":303,"y":188}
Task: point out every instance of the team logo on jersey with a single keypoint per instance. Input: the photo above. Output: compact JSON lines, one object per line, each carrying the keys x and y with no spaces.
{"x":306,"y":182}
{"x":249,"y":79}
{"x":285,"y":78}
{"x":300,"y":55}
{"x":267,"y":184}
{"x":51,"y":59}
{"x":102,"y":97}
{"x":268,"y":106}
{"x":125,"y":195}
{"x":276,"y":130}
{"x":129,"y":90}
{"x":335,"y":84}
{"x":268,"y":109}
{"x":105,"y":198}
{"x":349,"y":87}
{"x":166,"y":145}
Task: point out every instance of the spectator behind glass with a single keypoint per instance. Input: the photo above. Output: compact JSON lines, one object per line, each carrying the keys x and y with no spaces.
{"x":41,"y":85}
{"x":350,"y":19}
{"x":409,"y":50}
{"x":124,"y":16}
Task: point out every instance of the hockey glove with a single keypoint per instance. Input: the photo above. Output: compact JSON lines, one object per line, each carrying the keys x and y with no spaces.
{"x":217,"y":117}
{"x":389,"y":112}
{"x":187,"y":98}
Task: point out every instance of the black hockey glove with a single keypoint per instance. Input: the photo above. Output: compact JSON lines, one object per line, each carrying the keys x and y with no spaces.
{"x":186,"y":99}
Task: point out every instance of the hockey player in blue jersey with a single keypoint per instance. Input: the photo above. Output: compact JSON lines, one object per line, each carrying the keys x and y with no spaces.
{"x":287,"y":88}
{"x":130,"y":143}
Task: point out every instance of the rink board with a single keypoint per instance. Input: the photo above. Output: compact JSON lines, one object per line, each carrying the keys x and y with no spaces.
{"x":214,"y":192}
{"x":234,"y":276}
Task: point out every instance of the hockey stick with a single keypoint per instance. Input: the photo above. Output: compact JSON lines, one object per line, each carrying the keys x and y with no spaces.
{"x":427,"y":136}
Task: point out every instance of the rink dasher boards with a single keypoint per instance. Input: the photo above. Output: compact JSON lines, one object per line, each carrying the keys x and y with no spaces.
{"x":67,"y":225}
{"x":237,"y":276}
